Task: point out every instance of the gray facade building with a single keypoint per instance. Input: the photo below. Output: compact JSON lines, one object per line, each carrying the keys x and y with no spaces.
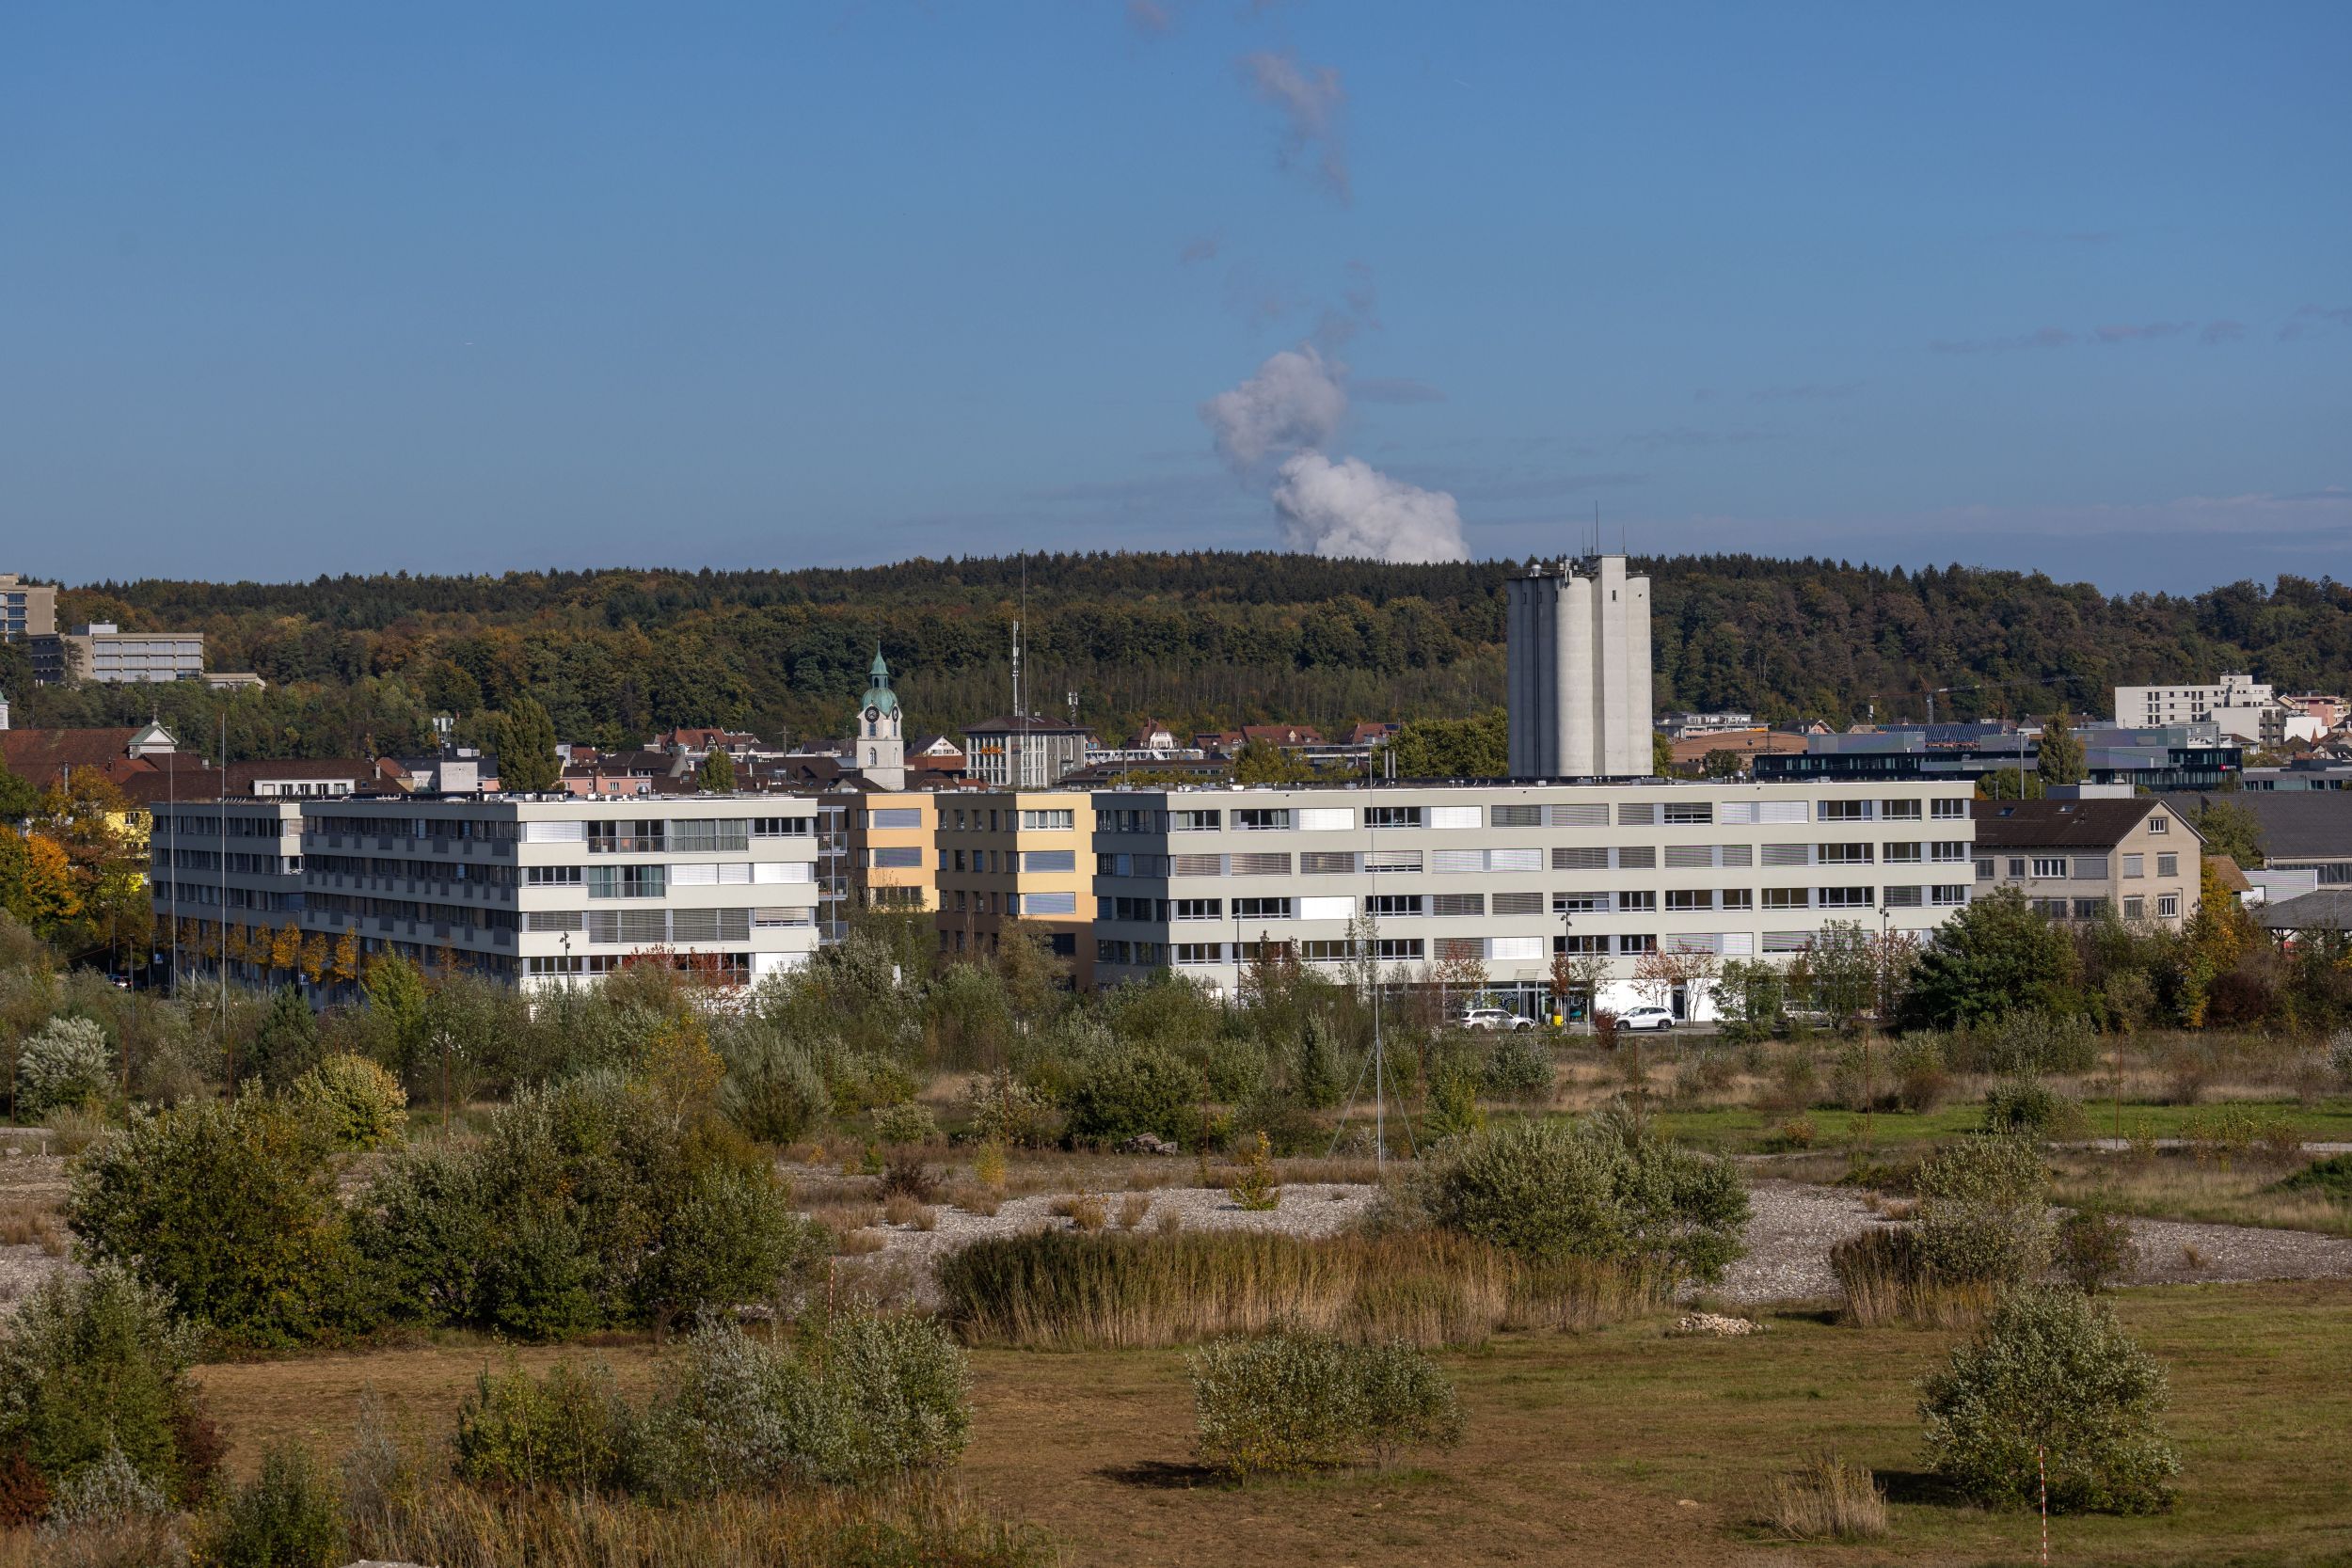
{"x":1578,"y":671}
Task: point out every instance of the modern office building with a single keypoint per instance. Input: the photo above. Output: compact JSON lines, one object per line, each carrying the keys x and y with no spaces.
{"x":524,"y":889}
{"x":2183,"y":756}
{"x":1501,"y":878}
{"x":2089,"y":852}
{"x":28,"y":610}
{"x":227,"y":873}
{"x":104,"y":653}
{"x":1018,"y":855}
{"x":1020,"y":750}
{"x":2244,"y":709}
{"x":1578,"y":671}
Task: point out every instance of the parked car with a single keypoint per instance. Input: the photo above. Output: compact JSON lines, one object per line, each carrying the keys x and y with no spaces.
{"x":1646,"y":1018}
{"x":1492,"y":1017}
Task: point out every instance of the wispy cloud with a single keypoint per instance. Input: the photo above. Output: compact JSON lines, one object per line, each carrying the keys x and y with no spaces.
{"x":2223,"y":332}
{"x":2048,"y":337}
{"x":2311,"y":318}
{"x":1202,"y":249}
{"x":1311,"y":102}
{"x":1150,"y":18}
{"x":2126,"y":334}
{"x":2218,"y":331}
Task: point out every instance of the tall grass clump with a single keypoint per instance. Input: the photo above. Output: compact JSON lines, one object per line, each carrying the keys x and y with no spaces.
{"x":1059,"y":1290}
{"x":1826,"y":1499}
{"x":1981,"y":1227}
{"x":1297,"y":1401}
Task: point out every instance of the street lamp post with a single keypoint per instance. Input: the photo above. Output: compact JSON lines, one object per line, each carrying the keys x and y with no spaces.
{"x":1886,"y":924}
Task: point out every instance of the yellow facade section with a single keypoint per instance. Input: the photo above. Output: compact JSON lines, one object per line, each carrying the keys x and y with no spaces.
{"x":1018,"y":855}
{"x":894,"y":851}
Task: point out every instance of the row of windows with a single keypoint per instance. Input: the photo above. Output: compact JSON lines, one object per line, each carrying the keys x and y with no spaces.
{"x":1000,"y":820}
{"x":1003,"y":862}
{"x":1408,"y":906}
{"x":1582,"y":814}
{"x":1627,"y":857}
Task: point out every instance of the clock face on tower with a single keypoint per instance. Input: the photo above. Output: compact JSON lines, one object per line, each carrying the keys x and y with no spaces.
{"x":872,"y":712}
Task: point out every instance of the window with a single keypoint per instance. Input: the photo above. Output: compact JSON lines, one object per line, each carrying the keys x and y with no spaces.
{"x":1637,"y":944}
{"x":1642,"y":901}
{"x":1391,"y":816}
{"x":1052,"y":819}
{"x":1387,"y":861}
{"x":1454,"y":817}
{"x":1905,"y":898}
{"x":1260,"y":865}
{"x":1458,"y":904}
{"x":2049,"y":865}
{"x":1326,"y":819}
{"x":895,"y":816}
{"x":2049,"y":908}
{"x":1518,"y":903}
{"x":554,"y":876}
{"x":1325,"y":862}
{"x":1457,"y":860}
{"x":1048,"y":860}
{"x":2017,"y":865}
{"x":2091,"y":868}
{"x":1690,"y":898}
{"x":1950,"y":808}
{"x":1586,"y":946}
{"x":1686,"y":856}
{"x":1259,"y":819}
{"x":1192,"y":821}
{"x":2089,"y":909}
{"x":1985,"y":870}
{"x":1581,"y":813}
{"x":1326,"y":908}
{"x":709,"y":835}
{"x":1637,"y":857}
{"x":960,"y":896}
{"x":1325,"y":952}
{"x":1685,"y":813}
{"x":1198,"y":909}
{"x":1579,"y":903}
{"x":1841,"y":811}
{"x":1738,"y":899}
{"x":1948,"y":895}
{"x":1638,"y":814}
{"x":1395,"y":906}
{"x":2135,"y":866}
{"x":1787,"y":899}
{"x":898,"y":857}
{"x":1399,"y":949}
{"x":2159,"y":823}
{"x":1788,"y":854}
{"x":1579,"y":859}
{"x":1262,"y":908}
{"x":1198,"y":952}
{"x":625,"y":838}
{"x":1898,"y":811}
{"x":2167,"y":865}
{"x":627,"y":882}
{"x":1845,"y":854}
{"x":1949,"y":851}
{"x":1903,"y":854}
{"x":2135,"y":908}
{"x":1514,"y":949}
{"x":1515,"y":816}
{"x":1845,"y":899}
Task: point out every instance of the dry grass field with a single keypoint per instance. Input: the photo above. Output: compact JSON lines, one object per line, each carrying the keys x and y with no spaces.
{"x":1617,"y":1446}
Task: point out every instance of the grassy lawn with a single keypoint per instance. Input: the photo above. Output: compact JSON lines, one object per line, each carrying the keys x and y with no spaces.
{"x":1612,"y":1446}
{"x":1744,"y":1130}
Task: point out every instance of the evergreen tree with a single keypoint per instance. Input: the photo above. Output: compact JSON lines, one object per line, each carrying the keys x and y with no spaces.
{"x":717,"y":774}
{"x":1318,"y":1069}
{"x":287,"y":1044}
{"x":2062,"y":760}
{"x":527,"y":762}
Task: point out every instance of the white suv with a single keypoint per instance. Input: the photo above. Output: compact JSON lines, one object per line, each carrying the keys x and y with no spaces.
{"x":1646,"y":1018}
{"x":1493,"y":1018}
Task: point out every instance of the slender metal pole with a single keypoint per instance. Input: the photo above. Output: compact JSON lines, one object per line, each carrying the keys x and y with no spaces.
{"x":220,"y":925}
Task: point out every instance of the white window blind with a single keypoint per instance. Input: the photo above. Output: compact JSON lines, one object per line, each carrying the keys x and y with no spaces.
{"x":1454,"y":817}
{"x":1326,"y":908}
{"x":1326,"y":819}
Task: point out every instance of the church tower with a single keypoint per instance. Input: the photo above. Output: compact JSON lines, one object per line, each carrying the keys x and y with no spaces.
{"x":879,"y":744}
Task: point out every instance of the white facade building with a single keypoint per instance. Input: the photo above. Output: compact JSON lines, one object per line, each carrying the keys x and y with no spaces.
{"x":1504,"y":875}
{"x":2245,"y":709}
{"x":1578,"y":671}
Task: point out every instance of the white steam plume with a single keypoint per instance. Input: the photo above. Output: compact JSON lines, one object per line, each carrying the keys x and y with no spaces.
{"x":1296,"y":400}
{"x":1351,"y":509}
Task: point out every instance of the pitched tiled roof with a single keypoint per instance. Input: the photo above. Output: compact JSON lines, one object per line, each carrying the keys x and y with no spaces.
{"x":2059,"y":824}
{"x":2296,"y":824}
{"x":40,"y":757}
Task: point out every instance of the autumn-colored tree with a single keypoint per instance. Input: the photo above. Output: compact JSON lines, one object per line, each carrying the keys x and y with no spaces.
{"x":677,"y":1068}
{"x":37,"y":883}
{"x":2215,"y":938}
{"x":236,"y":944}
{"x":316,"y":958}
{"x":285,"y":949}
{"x":1657,"y":974}
{"x":345,"y":968}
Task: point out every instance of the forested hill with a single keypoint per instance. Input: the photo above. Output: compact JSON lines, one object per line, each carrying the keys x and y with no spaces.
{"x":1197,"y":639}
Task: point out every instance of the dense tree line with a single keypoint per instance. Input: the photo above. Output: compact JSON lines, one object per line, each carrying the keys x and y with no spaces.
{"x":1200,"y":640}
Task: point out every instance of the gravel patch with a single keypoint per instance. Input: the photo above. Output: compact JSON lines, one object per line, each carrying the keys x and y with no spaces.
{"x":1792,"y":1226}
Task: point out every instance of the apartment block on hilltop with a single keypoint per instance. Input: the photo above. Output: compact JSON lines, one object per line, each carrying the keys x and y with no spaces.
{"x":1502,"y":878}
{"x":28,"y":610}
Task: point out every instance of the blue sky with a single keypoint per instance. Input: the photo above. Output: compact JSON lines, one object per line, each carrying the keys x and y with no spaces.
{"x":287,"y":290}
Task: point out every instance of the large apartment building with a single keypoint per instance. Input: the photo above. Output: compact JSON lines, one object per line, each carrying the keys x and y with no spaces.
{"x":893,"y":850}
{"x":226,"y":882}
{"x":28,"y":610}
{"x":1026,"y":855}
{"x":533,"y":890}
{"x":106,"y":653}
{"x":1504,"y":875}
{"x":2090,"y":853}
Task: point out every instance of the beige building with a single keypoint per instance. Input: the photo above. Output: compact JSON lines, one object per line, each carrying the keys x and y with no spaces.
{"x":1018,"y":855}
{"x":26,"y":610}
{"x":102,"y":652}
{"x":2086,"y":852}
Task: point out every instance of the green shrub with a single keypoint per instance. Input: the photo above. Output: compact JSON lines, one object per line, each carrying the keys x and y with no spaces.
{"x":907,"y":1123}
{"x":568,"y":1430}
{"x":1235,"y":1068}
{"x":287,"y":1044}
{"x":1011,"y":1114}
{"x":288,"y":1516}
{"x":110,"y":1490}
{"x":2093,"y":1248}
{"x":1592,"y":1189}
{"x":857,"y":1081}
{"x":1317,"y":1076}
{"x":1121,"y":1093}
{"x":356,"y":1102}
{"x":2331,"y":1176}
{"x":63,"y":1064}
{"x":2026,"y":1107}
{"x":1983,"y":1212}
{"x":584,"y":1207}
{"x":772,"y":1089}
{"x":232,"y":1209}
{"x":1519,"y":1067}
{"x":856,"y":1398}
{"x":2052,"y":1371}
{"x":1296,"y":1401}
{"x":1916,"y":1062}
{"x":97,"y":1366}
